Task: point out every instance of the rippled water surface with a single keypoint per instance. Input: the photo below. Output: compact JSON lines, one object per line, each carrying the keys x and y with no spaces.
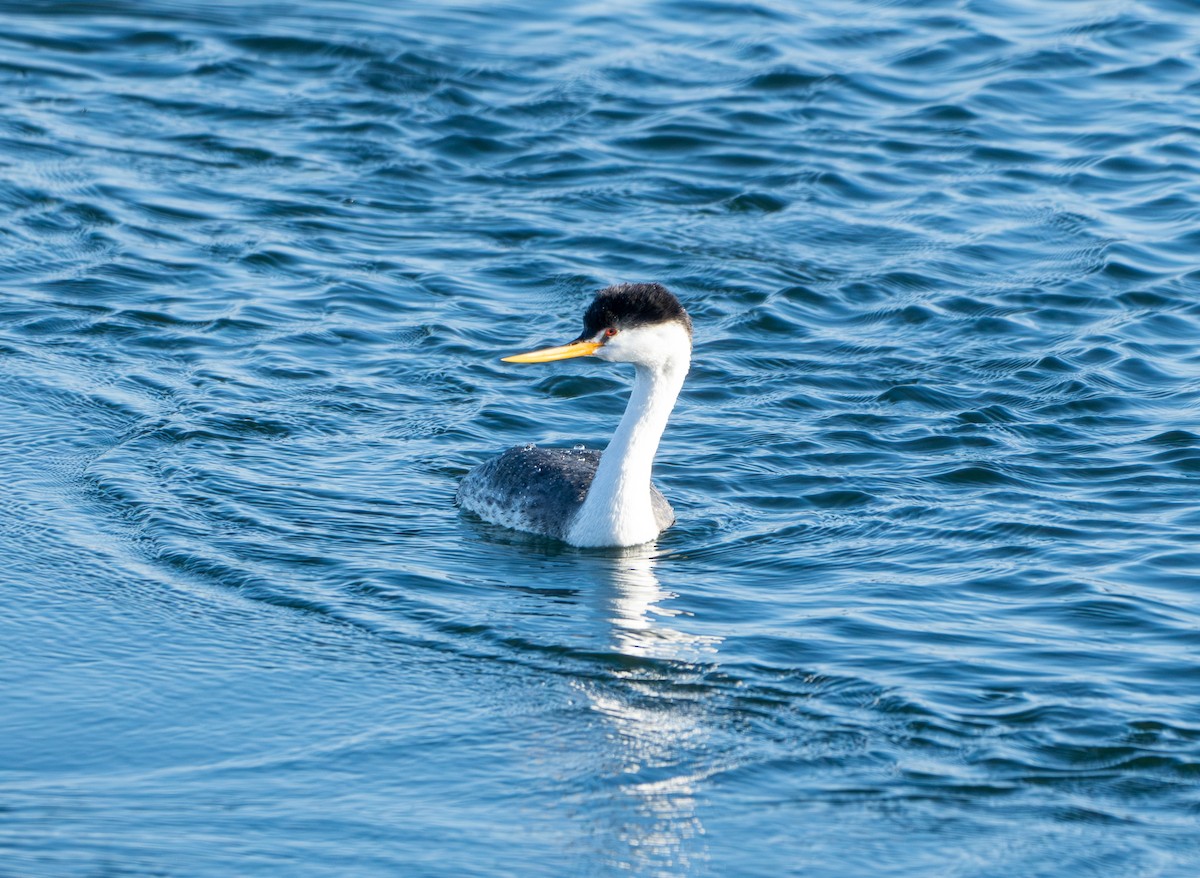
{"x":931,"y":606}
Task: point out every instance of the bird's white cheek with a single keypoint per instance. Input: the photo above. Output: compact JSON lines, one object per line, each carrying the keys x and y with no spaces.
{"x":609,"y":350}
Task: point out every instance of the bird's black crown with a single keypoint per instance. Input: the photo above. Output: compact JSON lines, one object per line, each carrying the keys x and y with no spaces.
{"x":625,"y":306}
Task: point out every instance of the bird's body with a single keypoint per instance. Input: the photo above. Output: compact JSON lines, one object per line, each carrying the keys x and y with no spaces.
{"x":582,"y":497}
{"x":541,"y":490}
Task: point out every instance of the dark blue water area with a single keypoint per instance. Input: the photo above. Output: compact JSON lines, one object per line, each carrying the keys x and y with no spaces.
{"x":932,"y":603}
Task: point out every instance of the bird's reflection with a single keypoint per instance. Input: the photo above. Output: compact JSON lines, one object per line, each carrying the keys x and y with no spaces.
{"x":657,"y":712}
{"x":634,"y":603}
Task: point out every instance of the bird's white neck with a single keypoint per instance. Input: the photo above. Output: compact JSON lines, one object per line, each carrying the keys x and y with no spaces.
{"x":617,"y":510}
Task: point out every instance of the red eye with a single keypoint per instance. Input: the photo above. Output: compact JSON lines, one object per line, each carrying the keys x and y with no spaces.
{"x":610,"y":332}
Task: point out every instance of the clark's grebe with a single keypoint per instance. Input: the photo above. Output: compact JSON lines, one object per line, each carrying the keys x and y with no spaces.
{"x":584,"y":497}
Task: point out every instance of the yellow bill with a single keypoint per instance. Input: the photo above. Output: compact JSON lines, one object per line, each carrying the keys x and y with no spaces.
{"x":563,"y":352}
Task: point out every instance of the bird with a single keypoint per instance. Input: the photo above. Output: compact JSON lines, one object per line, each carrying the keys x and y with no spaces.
{"x":584,"y":497}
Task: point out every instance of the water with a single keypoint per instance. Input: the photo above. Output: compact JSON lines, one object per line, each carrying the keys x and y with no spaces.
{"x":931,"y":605}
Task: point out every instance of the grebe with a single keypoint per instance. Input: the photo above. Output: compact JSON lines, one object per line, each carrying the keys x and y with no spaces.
{"x":583,"y":497}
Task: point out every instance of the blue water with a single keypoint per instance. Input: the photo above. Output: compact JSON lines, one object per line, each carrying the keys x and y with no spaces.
{"x":932,"y":606}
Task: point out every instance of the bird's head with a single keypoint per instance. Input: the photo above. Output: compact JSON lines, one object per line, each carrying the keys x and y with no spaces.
{"x":643,"y":324}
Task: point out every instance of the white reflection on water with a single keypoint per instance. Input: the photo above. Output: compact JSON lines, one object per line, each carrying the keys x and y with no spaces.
{"x":657,"y":716}
{"x":632,"y":600}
